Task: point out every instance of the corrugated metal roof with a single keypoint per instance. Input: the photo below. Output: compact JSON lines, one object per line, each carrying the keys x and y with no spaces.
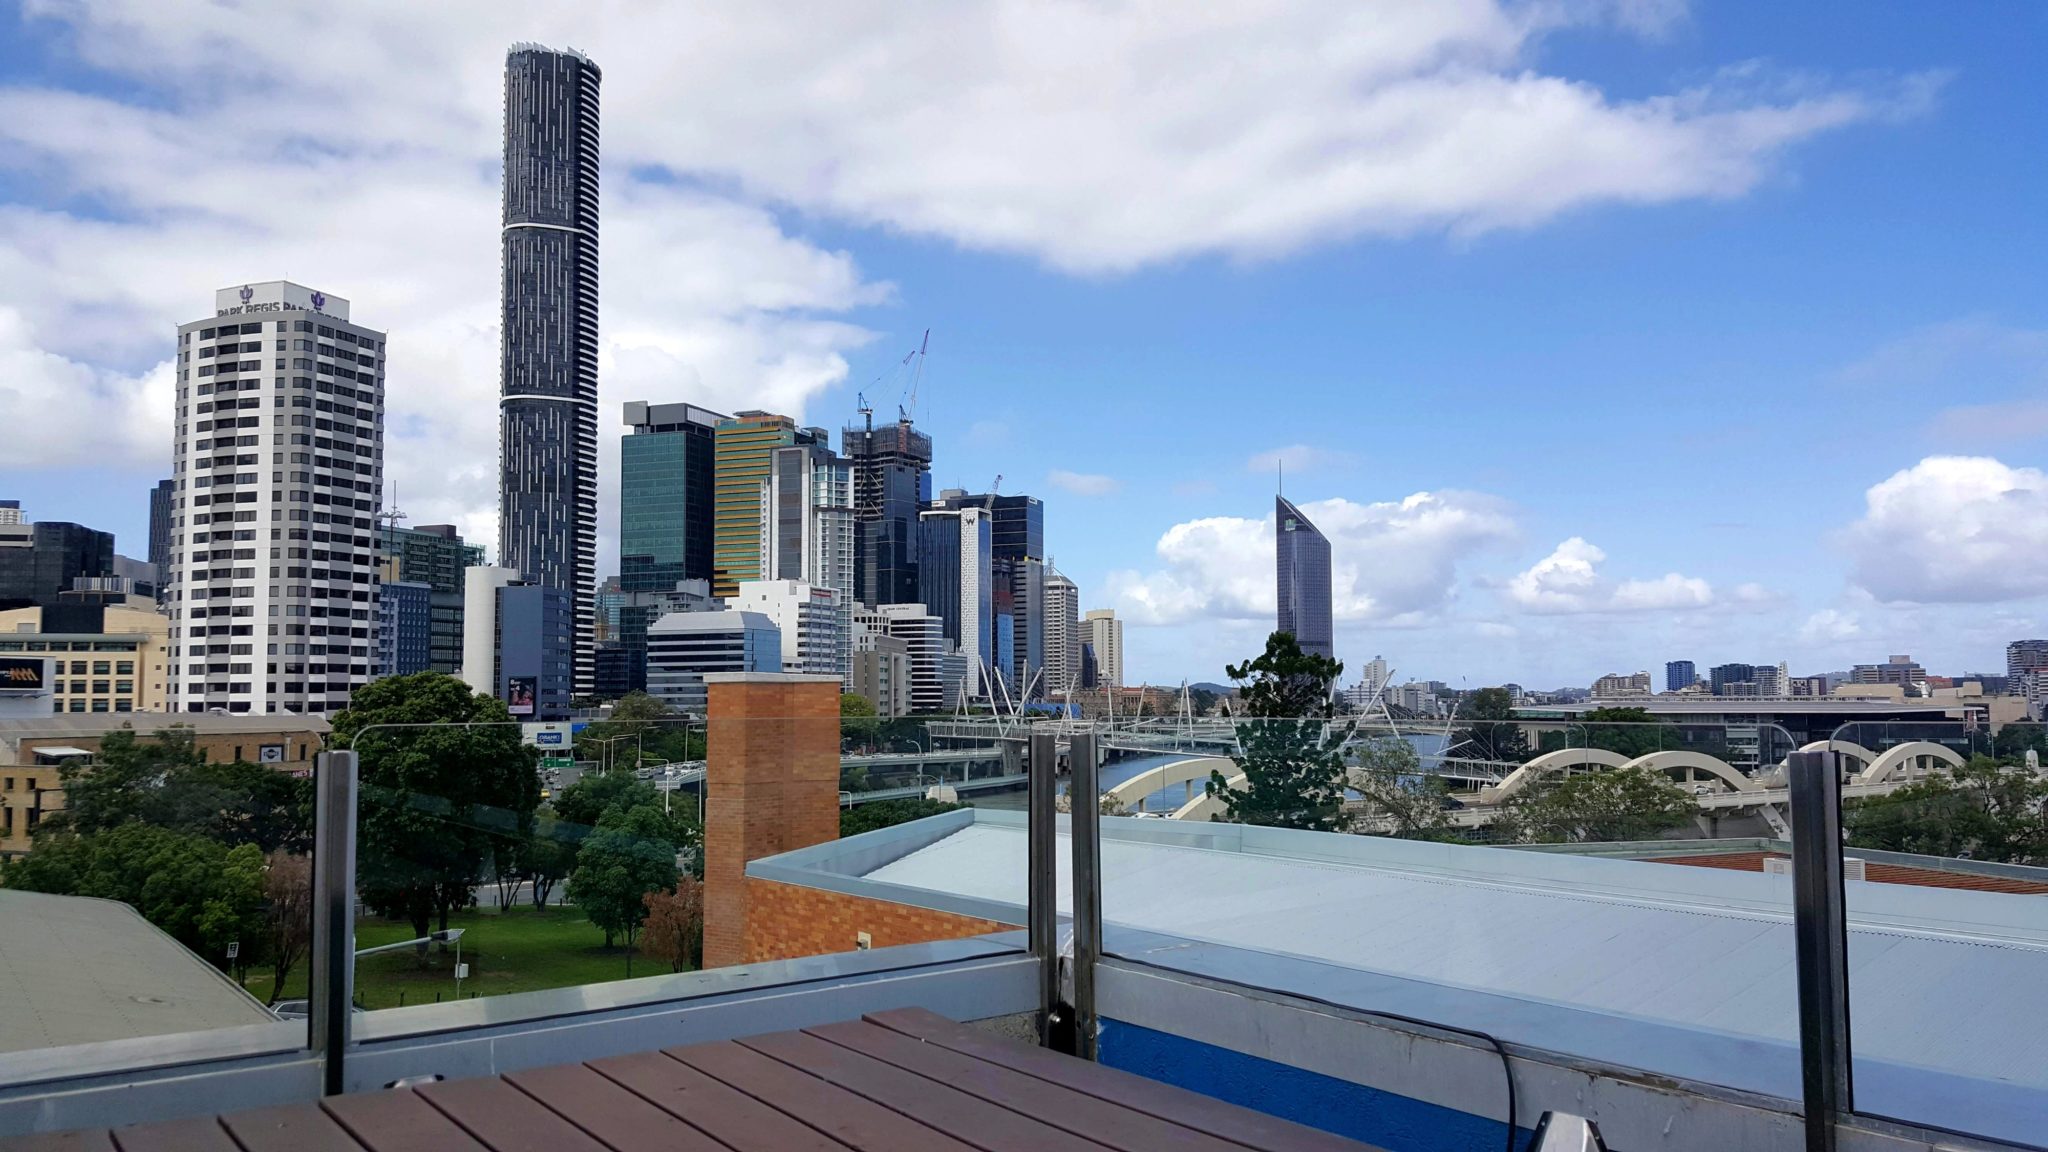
{"x":1941,"y":979}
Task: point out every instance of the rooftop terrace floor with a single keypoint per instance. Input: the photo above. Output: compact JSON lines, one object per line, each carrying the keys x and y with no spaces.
{"x":906,"y":1079}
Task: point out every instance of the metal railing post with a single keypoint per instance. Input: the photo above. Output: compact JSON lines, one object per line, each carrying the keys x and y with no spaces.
{"x":1821,"y":935}
{"x":1042,"y":913}
{"x":331,"y":987}
{"x":1084,"y":786}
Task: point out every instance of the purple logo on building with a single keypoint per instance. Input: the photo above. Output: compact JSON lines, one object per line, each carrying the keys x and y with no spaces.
{"x":247,"y":293}
{"x":319,"y":301}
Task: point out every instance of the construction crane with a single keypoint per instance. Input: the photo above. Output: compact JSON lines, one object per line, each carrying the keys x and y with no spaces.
{"x":866,"y":410}
{"x":989,"y":507}
{"x":908,"y":412}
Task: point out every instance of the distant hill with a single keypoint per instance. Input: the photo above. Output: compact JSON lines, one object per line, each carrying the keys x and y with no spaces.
{"x":1209,"y":686}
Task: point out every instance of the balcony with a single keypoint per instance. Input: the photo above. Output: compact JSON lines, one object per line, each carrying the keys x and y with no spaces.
{"x":1223,"y":985}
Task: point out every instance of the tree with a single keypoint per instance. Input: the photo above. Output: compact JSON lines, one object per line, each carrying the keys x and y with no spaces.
{"x":550,"y":854}
{"x":889,"y":813}
{"x":1983,"y":810}
{"x":1611,"y":805}
{"x":202,"y":893}
{"x":446,"y":784}
{"x":1289,"y":751}
{"x":1491,"y":732}
{"x":612,"y":740}
{"x":2014,"y":741}
{"x":858,"y":722}
{"x":287,"y":915}
{"x":1400,"y":800}
{"x":166,"y":781}
{"x":627,"y":855}
{"x":674,"y":928}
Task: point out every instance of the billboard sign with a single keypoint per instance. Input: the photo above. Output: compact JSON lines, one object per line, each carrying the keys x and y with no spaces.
{"x":550,"y":736}
{"x":23,"y":673}
{"x":519,"y":695}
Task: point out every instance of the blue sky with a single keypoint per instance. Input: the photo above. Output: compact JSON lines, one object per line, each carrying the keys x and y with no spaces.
{"x":1597,"y":334}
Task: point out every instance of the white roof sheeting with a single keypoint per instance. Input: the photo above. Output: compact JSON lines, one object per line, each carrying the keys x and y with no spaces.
{"x":1941,"y":979}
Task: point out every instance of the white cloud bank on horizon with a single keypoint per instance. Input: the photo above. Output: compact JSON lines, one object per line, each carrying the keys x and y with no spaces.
{"x":1952,"y":529}
{"x":1569,"y":581}
{"x":1393,"y":563}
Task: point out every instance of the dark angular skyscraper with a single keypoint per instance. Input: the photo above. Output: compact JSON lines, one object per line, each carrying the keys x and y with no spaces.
{"x":162,"y":499}
{"x":1302,"y":557}
{"x":891,"y":482}
{"x":547,"y":431}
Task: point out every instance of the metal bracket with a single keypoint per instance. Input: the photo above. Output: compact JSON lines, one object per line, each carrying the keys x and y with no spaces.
{"x":1821,"y":936}
{"x":1085,"y":791}
{"x":1042,"y":916}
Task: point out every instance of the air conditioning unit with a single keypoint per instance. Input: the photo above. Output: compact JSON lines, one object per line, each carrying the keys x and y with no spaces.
{"x":1852,"y":867}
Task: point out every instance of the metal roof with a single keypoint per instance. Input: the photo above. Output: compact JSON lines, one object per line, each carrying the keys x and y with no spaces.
{"x":1942,"y":979}
{"x":90,"y":725}
{"x":76,"y":971}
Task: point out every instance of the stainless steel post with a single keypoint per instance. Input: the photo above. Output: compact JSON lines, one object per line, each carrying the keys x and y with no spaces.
{"x":331,"y":987}
{"x":1821,"y":935}
{"x":1084,"y":786}
{"x":1042,"y":913}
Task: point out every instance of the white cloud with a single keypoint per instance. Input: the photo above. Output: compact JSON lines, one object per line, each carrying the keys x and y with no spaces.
{"x":1569,"y":581}
{"x":1830,"y":626}
{"x":1297,"y":458}
{"x":2010,"y":422}
{"x":69,"y":413}
{"x":1390,"y":563}
{"x":1082,"y":483}
{"x":1953,"y":529}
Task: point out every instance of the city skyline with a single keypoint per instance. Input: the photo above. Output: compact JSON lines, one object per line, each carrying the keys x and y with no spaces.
{"x":1409,"y":359}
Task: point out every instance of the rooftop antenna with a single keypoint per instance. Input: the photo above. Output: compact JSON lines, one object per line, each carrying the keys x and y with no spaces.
{"x":1280,"y":477}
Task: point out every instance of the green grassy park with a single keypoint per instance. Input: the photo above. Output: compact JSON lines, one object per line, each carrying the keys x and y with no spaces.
{"x":521,"y":950}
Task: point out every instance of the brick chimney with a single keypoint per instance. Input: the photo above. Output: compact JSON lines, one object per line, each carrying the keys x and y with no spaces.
{"x":772,"y":779}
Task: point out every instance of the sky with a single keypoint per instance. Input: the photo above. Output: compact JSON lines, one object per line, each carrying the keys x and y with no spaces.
{"x":1594,"y":333}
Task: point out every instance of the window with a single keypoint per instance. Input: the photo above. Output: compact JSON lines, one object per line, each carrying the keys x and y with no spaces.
{"x":101,"y":667}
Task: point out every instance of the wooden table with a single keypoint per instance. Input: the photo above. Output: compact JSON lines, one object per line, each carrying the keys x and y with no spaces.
{"x":901,"y":1081}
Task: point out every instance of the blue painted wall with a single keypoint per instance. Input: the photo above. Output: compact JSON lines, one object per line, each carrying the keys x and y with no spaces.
{"x":1395,"y":1123}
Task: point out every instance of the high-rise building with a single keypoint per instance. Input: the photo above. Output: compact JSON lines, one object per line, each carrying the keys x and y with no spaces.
{"x":1062,"y":633}
{"x":808,"y":531}
{"x":933,"y":686}
{"x":1105,"y":635}
{"x":1679,"y":675}
{"x":1017,"y":555}
{"x":404,"y":628}
{"x":746,"y":445}
{"x":891,"y":483}
{"x":815,"y":639}
{"x":682,"y":647}
{"x":881,"y":665}
{"x":437,"y":556}
{"x":1302,"y":563}
{"x":38,"y":562}
{"x":279,"y":457}
{"x":10,"y":511}
{"x":1615,"y":684}
{"x":547,"y":493}
{"x":667,"y":466}
{"x":955,"y":578}
{"x":2025,"y":656}
{"x":1722,"y":678}
{"x":1900,"y":670}
{"x":104,"y":657}
{"x":162,"y":499}
{"x":520,"y":642}
{"x":627,"y":616}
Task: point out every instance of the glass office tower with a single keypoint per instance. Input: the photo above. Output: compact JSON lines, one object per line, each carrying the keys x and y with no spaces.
{"x":1302,"y":560}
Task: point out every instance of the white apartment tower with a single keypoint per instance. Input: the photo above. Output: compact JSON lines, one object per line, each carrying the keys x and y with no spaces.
{"x":278,"y":465}
{"x":1062,"y":634}
{"x":807,"y":527}
{"x":1106,"y":633}
{"x":811,"y":620}
{"x":933,"y":681}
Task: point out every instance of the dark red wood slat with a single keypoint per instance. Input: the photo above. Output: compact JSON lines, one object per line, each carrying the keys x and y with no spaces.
{"x":291,"y":1128}
{"x":609,"y":1113}
{"x":986,"y":1126}
{"x":734,"y":1118}
{"x":397,"y":1120}
{"x":1099,"y":1120}
{"x":834,"y":1111}
{"x":1152,"y":1097}
{"x":198,"y":1134}
{"x":505,"y":1118}
{"x":77,"y":1140}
